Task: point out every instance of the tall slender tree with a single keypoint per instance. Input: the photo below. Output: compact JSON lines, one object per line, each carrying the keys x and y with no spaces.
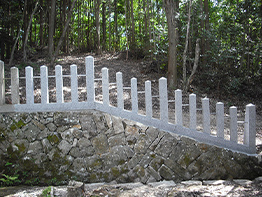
{"x":172,"y":15}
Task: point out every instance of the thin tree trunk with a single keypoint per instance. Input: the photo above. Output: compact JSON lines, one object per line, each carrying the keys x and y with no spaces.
{"x":133,"y":24}
{"x":27,"y":31}
{"x":51,"y":29}
{"x":190,"y":79}
{"x":126,"y":30}
{"x":186,"y":44}
{"x":109,"y":26}
{"x":97,"y":20}
{"x":14,"y":46}
{"x":104,"y":24}
{"x":64,"y":32}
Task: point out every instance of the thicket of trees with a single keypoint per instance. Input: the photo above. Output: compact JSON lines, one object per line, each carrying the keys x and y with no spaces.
{"x":229,"y":33}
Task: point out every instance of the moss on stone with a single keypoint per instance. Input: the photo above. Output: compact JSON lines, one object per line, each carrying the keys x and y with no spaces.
{"x":92,"y":178}
{"x":115,"y":171}
{"x":53,"y":139}
{"x":20,"y":124}
{"x":21,"y":147}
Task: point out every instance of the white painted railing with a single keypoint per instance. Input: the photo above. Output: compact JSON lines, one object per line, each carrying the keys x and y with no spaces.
{"x":249,"y":141}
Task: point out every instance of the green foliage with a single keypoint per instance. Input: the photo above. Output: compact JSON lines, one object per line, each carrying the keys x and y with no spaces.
{"x":46,"y":192}
{"x":12,"y":179}
{"x":9,"y":180}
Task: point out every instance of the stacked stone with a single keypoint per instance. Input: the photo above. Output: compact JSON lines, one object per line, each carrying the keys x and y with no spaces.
{"x":91,"y":146}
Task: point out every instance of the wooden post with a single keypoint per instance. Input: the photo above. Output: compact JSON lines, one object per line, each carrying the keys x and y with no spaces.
{"x":29,"y":85}
{"x":178,"y":107}
{"x":59,"y":84}
{"x":15,"y":85}
{"x":74,"y":84}
{"x":44,"y":85}
{"x":2,"y":83}
{"x":163,"y":99}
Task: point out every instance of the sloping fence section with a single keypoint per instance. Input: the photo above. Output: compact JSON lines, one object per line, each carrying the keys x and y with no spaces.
{"x":249,"y":141}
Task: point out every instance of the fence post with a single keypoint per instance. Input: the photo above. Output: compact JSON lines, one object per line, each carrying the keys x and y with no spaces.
{"x":192,"y":111}
{"x":59,"y":84}
{"x":163,"y":99}
{"x":134,"y":95}
{"x":90,"y":87}
{"x":220,"y":119}
{"x":74,"y":83}
{"x":119,"y":82}
{"x":29,"y":85}
{"x":105,"y":86}
{"x":178,"y":107}
{"x":2,"y":83}
{"x":15,"y":85}
{"x":148,"y":99}
{"x":44,"y":85}
{"x":233,"y":123}
{"x":250,"y":127}
{"x":206,"y":115}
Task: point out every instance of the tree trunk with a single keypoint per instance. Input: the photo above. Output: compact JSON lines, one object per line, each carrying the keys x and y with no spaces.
{"x":104,"y":24}
{"x":207,"y":27}
{"x":116,"y":30}
{"x":97,"y":19}
{"x":52,"y":18}
{"x":190,"y":79}
{"x":14,"y":46}
{"x":133,"y":24}
{"x":27,"y":31}
{"x":64,"y":32}
{"x":126,"y":30}
{"x":186,"y":44}
{"x":172,"y":9}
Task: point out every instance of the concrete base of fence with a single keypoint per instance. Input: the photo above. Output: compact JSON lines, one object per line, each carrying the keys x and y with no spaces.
{"x":91,"y":146}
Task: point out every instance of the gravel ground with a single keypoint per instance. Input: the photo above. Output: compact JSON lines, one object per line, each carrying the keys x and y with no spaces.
{"x":214,"y":188}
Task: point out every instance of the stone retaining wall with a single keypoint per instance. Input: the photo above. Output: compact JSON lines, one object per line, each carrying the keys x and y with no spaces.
{"x":90,"y":146}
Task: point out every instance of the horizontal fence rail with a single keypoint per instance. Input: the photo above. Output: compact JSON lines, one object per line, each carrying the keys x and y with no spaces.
{"x":249,"y":140}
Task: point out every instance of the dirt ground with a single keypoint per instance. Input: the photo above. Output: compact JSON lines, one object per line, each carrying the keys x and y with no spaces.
{"x":143,"y":70}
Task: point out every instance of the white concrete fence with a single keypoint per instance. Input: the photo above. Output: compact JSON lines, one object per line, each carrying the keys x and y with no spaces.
{"x":249,"y":141}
